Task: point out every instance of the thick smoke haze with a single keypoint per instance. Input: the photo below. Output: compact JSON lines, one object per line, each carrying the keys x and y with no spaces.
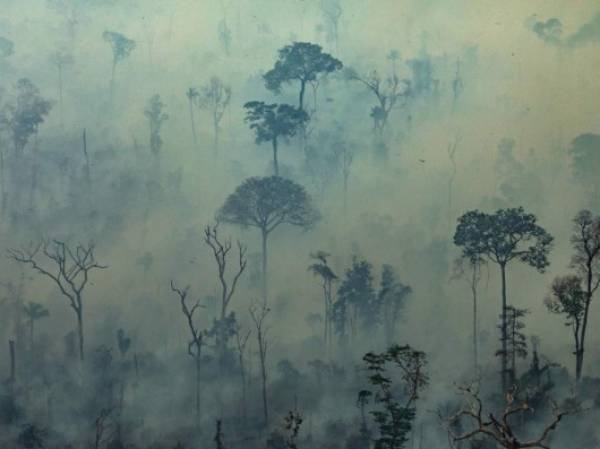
{"x":124,"y":128}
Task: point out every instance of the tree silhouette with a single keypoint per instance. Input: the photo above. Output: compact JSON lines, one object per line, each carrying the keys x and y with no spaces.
{"x":156,"y":117}
{"x":34,"y":311}
{"x":61,"y":59}
{"x":302,"y":62}
{"x":192,"y":96}
{"x":322,"y":269}
{"x":70,"y":273}
{"x":501,"y":237}
{"x":271,"y":122}
{"x":121,"y":49}
{"x":266,"y":203}
{"x":214,"y":97}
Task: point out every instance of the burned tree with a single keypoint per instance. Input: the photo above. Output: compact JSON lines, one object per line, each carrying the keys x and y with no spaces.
{"x":391,"y":298}
{"x":267,"y":203}
{"x":502,"y":237}
{"x":70,"y":272}
{"x":197,"y":336}
{"x":214,"y":97}
{"x":156,"y":117}
{"x":272,"y":122}
{"x":258,"y":315}
{"x":121,"y":49}
{"x":221,"y":249}
{"x":192,"y":96}
{"x":301,"y":62}
{"x":498,"y":426}
{"x":61,"y":59}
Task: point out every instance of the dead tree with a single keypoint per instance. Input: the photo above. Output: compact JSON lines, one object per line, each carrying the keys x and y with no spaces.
{"x":220,"y":250}
{"x":451,"y":150}
{"x":13,"y":362}
{"x":241,"y":342}
{"x":258,"y":315}
{"x":72,"y":268}
{"x":498,"y":427}
{"x":197,"y":340}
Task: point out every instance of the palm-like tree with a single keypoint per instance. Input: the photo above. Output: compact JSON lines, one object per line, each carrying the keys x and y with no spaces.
{"x":34,"y":311}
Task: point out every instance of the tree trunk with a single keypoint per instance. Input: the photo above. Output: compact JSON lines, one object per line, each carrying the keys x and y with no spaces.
{"x":302,"y":90}
{"x":589,"y":292}
{"x":264,"y":265}
{"x":112,"y":80}
{"x":475,"y":330}
{"x":60,"y":94}
{"x":31,"y":325}
{"x":194,"y":137}
{"x":198,"y":363}
{"x":275,"y":162}
{"x":216,"y":136}
{"x":3,"y":183}
{"x":504,"y":329}
{"x":13,"y":362}
{"x":263,"y":370}
{"x":79,"y":312}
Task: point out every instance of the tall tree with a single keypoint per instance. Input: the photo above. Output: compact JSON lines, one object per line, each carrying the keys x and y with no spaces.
{"x":586,"y":262}
{"x":391,"y":297}
{"x":214,"y":98}
{"x":569,"y":299}
{"x":301,"y":62}
{"x":156,"y":117}
{"x":34,"y":311}
{"x":266,"y":203}
{"x":121,"y":49}
{"x":332,"y":12}
{"x":271,"y":122}
{"x":322,"y":269}
{"x":61,"y":59}
{"x":197,"y":337}
{"x":221,"y":249}
{"x":71,"y":271}
{"x":258,"y":315}
{"x":192,"y":96}
{"x":516,"y":342}
{"x":502,"y":237}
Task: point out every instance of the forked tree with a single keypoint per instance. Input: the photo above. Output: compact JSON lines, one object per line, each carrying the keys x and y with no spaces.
{"x":214,"y":97}
{"x":68,"y":267}
{"x":221,"y":249}
{"x":196,"y":336}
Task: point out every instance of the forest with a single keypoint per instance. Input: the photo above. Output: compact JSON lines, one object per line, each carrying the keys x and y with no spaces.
{"x":299,"y":224}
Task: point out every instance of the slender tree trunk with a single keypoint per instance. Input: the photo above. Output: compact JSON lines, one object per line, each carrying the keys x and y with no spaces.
{"x":264,"y":266}
{"x":504,"y":336}
{"x":302,"y":90}
{"x":263,"y":370}
{"x":79,"y":312}
{"x":193,"y":122}
{"x":13,"y":362}
{"x":589,"y":292}
{"x":475,"y":329}
{"x":243,"y":380}
{"x":112,"y":80}
{"x":198,"y":364}
{"x":216,"y":135}
{"x":345,"y":194}
{"x":31,"y":341}
{"x":275,"y":162}
{"x":60,"y":94}
{"x":3,"y":183}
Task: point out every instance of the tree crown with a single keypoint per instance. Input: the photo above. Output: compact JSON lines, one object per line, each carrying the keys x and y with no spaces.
{"x":270,"y":121}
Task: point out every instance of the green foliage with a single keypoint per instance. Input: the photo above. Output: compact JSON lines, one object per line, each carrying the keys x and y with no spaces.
{"x":394,"y":418}
{"x":503,"y":236}
{"x":121,"y":46}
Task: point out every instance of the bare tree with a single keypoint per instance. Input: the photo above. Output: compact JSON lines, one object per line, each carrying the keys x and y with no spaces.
{"x":258,"y":315}
{"x":197,"y":335}
{"x":221,"y":249}
{"x":72,"y":270}
{"x":192,"y":96}
{"x":214,"y":98}
{"x":498,"y":427}
{"x":61,"y":59}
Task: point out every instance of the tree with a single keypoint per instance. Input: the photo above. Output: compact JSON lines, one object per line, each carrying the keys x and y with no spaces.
{"x":61,"y":59}
{"x":586,"y":262}
{"x":121,"y":49}
{"x":224,"y":34}
{"x":34,"y":311}
{"x":214,"y":98}
{"x":271,"y":122}
{"x":192,"y":96}
{"x":332,"y":12}
{"x":197,"y":336}
{"x":391,"y":297}
{"x":568,"y":298}
{"x":516,"y":343}
{"x":71,"y":272}
{"x":356,"y":304}
{"x":220,"y":251}
{"x":498,"y":426}
{"x":387,"y":91}
{"x":321,"y":269}
{"x":241,"y":341}
{"x":300,"y":62}
{"x":395,"y":418}
{"x":258,"y":315}
{"x":266,"y":203}
{"x":472,"y":276}
{"x":155,"y":115}
{"x":502,"y":237}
